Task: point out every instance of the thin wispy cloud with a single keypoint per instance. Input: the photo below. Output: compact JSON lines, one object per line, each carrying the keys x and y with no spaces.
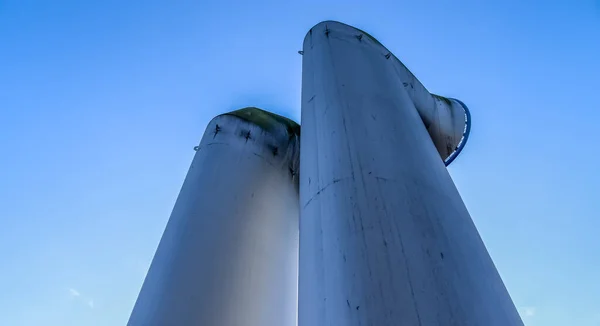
{"x":527,"y":311}
{"x":83,"y":299}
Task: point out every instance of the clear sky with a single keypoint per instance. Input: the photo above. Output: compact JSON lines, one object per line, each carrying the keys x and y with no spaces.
{"x":102,"y":102}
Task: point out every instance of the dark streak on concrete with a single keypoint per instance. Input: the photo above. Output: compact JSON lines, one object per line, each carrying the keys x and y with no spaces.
{"x":412,"y":291}
{"x":322,"y":189}
{"x":211,"y":144}
{"x":217,"y":129}
{"x":264,"y":158}
{"x":442,"y":98}
{"x":274,"y":150}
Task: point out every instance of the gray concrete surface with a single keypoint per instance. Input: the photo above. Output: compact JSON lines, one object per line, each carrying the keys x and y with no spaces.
{"x":229,"y":254}
{"x":385,"y":239}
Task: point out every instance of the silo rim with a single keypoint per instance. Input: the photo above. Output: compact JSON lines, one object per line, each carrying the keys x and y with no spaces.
{"x":465,"y":136}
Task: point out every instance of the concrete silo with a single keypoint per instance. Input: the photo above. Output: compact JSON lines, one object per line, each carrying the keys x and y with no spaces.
{"x":385,"y":238}
{"x":229,"y":253}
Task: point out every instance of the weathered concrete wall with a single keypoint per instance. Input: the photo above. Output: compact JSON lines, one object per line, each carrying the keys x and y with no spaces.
{"x":229,"y":254}
{"x":385,"y":238}
{"x":445,"y":119}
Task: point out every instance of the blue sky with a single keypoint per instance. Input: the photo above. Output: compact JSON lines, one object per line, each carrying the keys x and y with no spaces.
{"x":102,"y":102}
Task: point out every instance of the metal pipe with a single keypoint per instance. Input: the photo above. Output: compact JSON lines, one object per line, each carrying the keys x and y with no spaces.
{"x":385,"y":238}
{"x":229,"y":253}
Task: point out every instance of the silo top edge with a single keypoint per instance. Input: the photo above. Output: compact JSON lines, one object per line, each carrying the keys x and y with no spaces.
{"x":266,"y":120}
{"x":325,"y":22}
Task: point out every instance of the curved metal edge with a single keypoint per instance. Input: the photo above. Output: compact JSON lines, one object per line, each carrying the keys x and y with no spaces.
{"x":265,"y":119}
{"x":466,"y":134}
{"x":467,"y":130}
{"x":325,"y":22}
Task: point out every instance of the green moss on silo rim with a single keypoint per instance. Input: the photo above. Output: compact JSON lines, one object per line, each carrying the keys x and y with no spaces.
{"x":442,"y":98}
{"x":266,"y":120}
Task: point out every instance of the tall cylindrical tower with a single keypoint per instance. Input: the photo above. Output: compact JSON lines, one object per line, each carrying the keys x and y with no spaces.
{"x":385,"y":238}
{"x":229,"y":253}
